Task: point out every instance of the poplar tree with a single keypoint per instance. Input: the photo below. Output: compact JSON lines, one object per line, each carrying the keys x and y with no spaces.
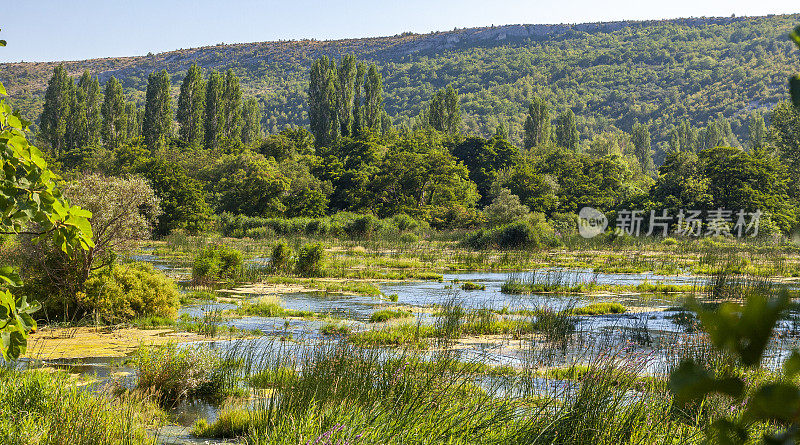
{"x":191,"y":107}
{"x":87,"y":112}
{"x":567,"y":135}
{"x":757,"y":131}
{"x":537,"y":124}
{"x":322,"y":114}
{"x":345,"y":93}
{"x":358,"y":106}
{"x":251,"y":121}
{"x":373,"y":98}
{"x":58,"y":101}
{"x":157,"y":123}
{"x":214,"y":118}
{"x":114,"y":123}
{"x":640,"y":137}
{"x":452,"y":121}
{"x":231,"y":107}
{"x":134,"y":116}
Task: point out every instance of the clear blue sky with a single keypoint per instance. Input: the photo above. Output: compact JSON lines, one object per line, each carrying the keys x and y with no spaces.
{"x":46,"y":30}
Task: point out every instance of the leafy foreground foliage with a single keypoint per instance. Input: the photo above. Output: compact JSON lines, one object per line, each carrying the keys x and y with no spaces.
{"x":743,"y":332}
{"x":49,"y":408}
{"x":29,"y":195}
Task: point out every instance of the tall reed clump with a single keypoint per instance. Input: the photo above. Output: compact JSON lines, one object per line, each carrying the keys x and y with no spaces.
{"x":310,"y":260}
{"x":280,"y":258}
{"x":173,"y":373}
{"x":48,"y":408}
{"x":217,"y":264}
{"x":336,"y":393}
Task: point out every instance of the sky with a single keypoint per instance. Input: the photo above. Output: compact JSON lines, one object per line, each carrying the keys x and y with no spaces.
{"x":52,"y":30}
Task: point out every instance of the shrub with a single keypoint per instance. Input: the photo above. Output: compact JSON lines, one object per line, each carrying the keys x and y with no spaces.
{"x":505,"y":209}
{"x":217,"y":263}
{"x":280,"y":258}
{"x":310,"y":260}
{"x":123,"y":292}
{"x":363,"y":227}
{"x":404,"y":222}
{"x":408,"y":238}
{"x":533,"y":232}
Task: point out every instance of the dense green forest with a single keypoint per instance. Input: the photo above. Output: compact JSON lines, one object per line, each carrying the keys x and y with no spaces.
{"x":609,"y":74}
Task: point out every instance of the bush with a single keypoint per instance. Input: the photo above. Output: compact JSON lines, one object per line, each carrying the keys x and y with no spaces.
{"x":123,"y":292}
{"x":533,"y":232}
{"x":363,"y":227}
{"x":409,"y":238}
{"x":217,"y":263}
{"x":280,"y":258}
{"x":310,"y":260}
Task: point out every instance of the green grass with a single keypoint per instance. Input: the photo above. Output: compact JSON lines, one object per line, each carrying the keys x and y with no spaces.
{"x":335,"y":329}
{"x":406,"y":334}
{"x":469,"y":285}
{"x":48,"y":408}
{"x":388,"y":314}
{"x":599,"y":309}
{"x":269,"y":307}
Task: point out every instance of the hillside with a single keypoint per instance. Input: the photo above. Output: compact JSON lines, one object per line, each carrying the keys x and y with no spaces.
{"x":609,"y":73}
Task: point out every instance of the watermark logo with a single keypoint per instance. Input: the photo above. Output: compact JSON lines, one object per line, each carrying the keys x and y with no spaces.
{"x":591,"y":222}
{"x":691,"y":223}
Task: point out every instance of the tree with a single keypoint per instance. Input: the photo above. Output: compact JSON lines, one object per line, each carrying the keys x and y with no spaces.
{"x":182,"y":200}
{"x":784,"y":134}
{"x":537,"y":124}
{"x":30,"y":202}
{"x":115,"y":122}
{"x":57,"y":110}
{"x":322,"y":114}
{"x":373,"y":98}
{"x":445,"y":112}
{"x":124,"y":210}
{"x":485,"y":158}
{"x":640,"y":137}
{"x":157,"y":124}
{"x":214,"y":117}
{"x":134,"y":116}
{"x":358,"y":106}
{"x":231,"y":107}
{"x":85,"y":120}
{"x":504,"y":209}
{"x":251,"y":121}
{"x":249,"y":184}
{"x":191,"y":107}
{"x":346,"y":92}
{"x":757,"y":132}
{"x":567,"y":131}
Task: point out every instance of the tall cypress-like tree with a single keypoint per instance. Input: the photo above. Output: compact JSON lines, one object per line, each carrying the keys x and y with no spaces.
{"x":444,"y":111}
{"x":537,"y":124}
{"x":231,"y":107}
{"x":113,"y":111}
{"x":358,"y":106}
{"x":157,"y":124}
{"x":85,"y":117}
{"x":640,"y":137}
{"x":134,"y":115}
{"x":757,"y":130}
{"x":452,"y":121}
{"x":58,"y":101}
{"x":251,"y":121}
{"x":191,"y":107}
{"x":373,"y":98}
{"x":567,"y":131}
{"x":214,"y":117}
{"x":345,"y":93}
{"x":322,"y":114}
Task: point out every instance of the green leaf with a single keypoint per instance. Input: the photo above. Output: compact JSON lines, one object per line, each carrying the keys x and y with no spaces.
{"x":3,"y":89}
{"x":794,"y":90}
{"x":792,"y":364}
{"x":691,"y":382}
{"x":775,"y":401}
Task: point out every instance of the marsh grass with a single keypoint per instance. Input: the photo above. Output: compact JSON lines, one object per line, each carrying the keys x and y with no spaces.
{"x":41,"y":407}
